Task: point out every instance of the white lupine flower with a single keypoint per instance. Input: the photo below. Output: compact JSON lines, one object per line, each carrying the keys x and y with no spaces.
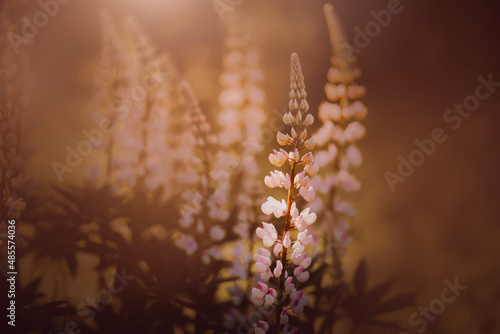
{"x":310,"y":144}
{"x":354,"y":131}
{"x":307,"y":158}
{"x":323,"y":158}
{"x":304,"y":238}
{"x":279,"y":269}
{"x":278,"y":158}
{"x":266,"y":276}
{"x":298,"y":254}
{"x":294,"y":155}
{"x":329,"y":111}
{"x":307,"y":193}
{"x":287,"y":183}
{"x":301,"y":180}
{"x":302,"y":276}
{"x":338,"y":135}
{"x":288,"y":118}
{"x":277,"y":250}
{"x":348,"y":181}
{"x":268,"y":234}
{"x":286,"y":240}
{"x":354,"y":156}
{"x":308,"y":120}
{"x":275,"y":180}
{"x":274,"y":206}
{"x":312,"y":169}
{"x":307,"y":261}
{"x":294,"y":212}
{"x":283,"y":139}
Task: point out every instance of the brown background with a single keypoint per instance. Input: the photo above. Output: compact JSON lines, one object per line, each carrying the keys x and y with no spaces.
{"x":441,"y":223}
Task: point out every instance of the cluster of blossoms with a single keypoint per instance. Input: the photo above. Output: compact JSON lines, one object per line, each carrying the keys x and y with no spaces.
{"x":340,"y":130}
{"x":138,"y":99}
{"x":242,"y":116}
{"x":14,"y":119}
{"x":11,"y":176}
{"x":203,"y":205}
{"x":289,"y":249}
{"x":240,"y":121}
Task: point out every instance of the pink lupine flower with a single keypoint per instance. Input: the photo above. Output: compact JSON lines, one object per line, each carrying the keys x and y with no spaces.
{"x":289,"y":287}
{"x":348,"y":181}
{"x":284,"y":317}
{"x":293,"y":331}
{"x":187,"y":243}
{"x":217,"y":233}
{"x":345,"y":208}
{"x":263,"y":327}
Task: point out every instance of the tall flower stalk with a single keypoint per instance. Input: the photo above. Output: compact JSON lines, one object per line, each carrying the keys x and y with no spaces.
{"x":337,"y":156}
{"x":291,"y":261}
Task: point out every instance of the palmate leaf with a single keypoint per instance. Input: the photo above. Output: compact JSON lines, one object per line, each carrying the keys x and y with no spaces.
{"x":360,"y":278}
{"x":364,"y":305}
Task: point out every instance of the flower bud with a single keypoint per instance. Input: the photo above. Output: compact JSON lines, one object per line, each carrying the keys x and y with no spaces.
{"x":310,"y":143}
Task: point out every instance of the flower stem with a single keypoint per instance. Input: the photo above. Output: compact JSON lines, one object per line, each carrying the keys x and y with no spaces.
{"x":281,"y":285}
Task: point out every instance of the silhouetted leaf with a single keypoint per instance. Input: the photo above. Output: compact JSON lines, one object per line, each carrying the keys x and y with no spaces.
{"x":360,"y":278}
{"x":396,"y":303}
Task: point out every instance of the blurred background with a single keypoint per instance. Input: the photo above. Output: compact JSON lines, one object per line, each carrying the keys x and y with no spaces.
{"x":441,"y":223}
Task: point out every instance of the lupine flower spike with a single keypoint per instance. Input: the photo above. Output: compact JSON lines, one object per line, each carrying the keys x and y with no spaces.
{"x":290,"y":266}
{"x":11,"y":178}
{"x":341,"y":128}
